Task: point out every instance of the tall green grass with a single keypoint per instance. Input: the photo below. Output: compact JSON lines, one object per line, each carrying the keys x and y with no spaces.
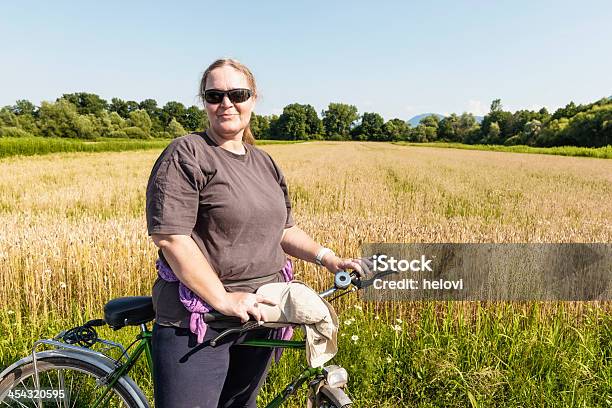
{"x":29,"y":146}
{"x":599,"y":153}
{"x":449,"y":355}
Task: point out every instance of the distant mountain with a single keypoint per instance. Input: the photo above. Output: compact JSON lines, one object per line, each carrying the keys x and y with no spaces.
{"x":414,"y":121}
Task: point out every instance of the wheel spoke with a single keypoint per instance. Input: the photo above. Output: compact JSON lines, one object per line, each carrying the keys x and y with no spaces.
{"x":76,"y":378}
{"x":61,"y":386}
{"x":71,"y":382}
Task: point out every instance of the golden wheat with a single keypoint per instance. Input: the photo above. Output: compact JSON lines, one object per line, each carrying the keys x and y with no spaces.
{"x":74,"y":235}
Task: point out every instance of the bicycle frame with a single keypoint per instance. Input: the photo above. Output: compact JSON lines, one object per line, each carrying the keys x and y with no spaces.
{"x":117,"y":370}
{"x":144,"y":346}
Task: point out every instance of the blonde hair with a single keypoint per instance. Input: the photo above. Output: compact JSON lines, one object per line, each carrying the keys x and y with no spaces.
{"x":238,"y":66}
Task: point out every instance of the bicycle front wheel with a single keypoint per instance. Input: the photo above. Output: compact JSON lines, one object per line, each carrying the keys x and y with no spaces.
{"x":64,"y":382}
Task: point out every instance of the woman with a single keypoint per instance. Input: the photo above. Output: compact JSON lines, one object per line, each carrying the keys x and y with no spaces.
{"x":218,"y":209}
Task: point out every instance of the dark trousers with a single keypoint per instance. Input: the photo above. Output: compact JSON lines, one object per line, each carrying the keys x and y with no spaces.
{"x":191,"y":375}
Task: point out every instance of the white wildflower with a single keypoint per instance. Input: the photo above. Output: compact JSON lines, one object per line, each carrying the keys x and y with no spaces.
{"x":397,"y":327}
{"x":389,"y":360}
{"x":358,"y":307}
{"x":399,"y":320}
{"x":355,"y":337}
{"x":348,"y":322}
{"x":376,"y":317}
{"x":62,"y":285}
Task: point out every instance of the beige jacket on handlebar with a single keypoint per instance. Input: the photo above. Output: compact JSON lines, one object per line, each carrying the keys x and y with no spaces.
{"x":298,"y":303}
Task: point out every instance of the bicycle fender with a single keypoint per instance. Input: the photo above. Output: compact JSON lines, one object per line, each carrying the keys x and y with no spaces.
{"x":335,"y":395}
{"x":104,"y":363}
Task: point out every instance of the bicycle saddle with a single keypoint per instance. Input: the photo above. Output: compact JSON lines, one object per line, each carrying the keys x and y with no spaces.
{"x":128,"y":311}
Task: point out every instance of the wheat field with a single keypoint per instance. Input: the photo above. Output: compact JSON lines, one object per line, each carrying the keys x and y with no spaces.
{"x":74,"y":236}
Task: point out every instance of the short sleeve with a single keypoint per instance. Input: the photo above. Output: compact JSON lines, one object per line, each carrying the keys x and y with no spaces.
{"x":280,"y":177}
{"x":172,"y":197}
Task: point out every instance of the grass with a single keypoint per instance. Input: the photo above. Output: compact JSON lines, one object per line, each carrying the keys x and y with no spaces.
{"x":599,"y":153}
{"x":29,"y":146}
{"x":74,"y":236}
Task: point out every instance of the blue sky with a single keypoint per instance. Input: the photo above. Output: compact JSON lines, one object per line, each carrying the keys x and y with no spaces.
{"x":397,"y":58}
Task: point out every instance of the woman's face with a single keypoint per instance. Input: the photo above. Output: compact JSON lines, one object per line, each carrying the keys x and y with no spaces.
{"x":227,"y":119}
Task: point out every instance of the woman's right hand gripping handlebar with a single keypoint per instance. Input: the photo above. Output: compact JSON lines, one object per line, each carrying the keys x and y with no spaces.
{"x":194,"y":271}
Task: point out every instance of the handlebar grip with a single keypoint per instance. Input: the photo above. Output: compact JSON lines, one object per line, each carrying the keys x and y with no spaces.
{"x":215,"y":316}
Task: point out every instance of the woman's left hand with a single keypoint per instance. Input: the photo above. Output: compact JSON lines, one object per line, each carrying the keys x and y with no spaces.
{"x":334,"y":263}
{"x":363,"y":266}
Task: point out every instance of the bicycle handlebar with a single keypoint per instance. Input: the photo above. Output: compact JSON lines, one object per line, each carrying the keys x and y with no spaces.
{"x":342,"y":280}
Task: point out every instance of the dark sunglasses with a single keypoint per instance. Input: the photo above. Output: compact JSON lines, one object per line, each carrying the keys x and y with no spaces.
{"x":215,"y":96}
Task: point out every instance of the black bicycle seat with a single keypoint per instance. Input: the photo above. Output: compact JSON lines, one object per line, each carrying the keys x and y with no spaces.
{"x":128,"y":311}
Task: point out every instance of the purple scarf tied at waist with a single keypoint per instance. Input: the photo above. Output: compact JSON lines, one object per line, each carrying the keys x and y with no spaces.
{"x":194,"y":304}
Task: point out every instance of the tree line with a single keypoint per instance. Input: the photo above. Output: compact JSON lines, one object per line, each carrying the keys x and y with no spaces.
{"x":87,"y":116}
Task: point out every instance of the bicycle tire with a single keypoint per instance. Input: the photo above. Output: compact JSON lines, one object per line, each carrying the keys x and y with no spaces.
{"x":23,"y":375}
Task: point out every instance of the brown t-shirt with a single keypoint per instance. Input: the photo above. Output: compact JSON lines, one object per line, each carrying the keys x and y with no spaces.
{"x":235,"y":208}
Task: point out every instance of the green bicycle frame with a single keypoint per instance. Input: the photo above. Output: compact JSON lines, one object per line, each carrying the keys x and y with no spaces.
{"x":144,"y":345}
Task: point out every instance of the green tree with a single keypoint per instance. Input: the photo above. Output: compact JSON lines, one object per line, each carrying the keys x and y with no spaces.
{"x":531,"y":131}
{"x":86,"y":102}
{"x":553,"y":134}
{"x":396,"y":129}
{"x":494,"y":132}
{"x":429,"y":131}
{"x":467,"y":127}
{"x":292,"y":122}
{"x":432,"y":121}
{"x":195,"y":119}
{"x":448,"y":128}
{"x":132,"y":106}
{"x":590,"y":128}
{"x":176,"y":129}
{"x":174,"y":110}
{"x":370,"y":127}
{"x":140,"y":119}
{"x":504,"y":121}
{"x":314,"y":125}
{"x":101,"y":123}
{"x":568,"y":111}
{"x":7,"y":117}
{"x":496,"y":106}
{"x":28,"y":123}
{"x":150,"y":106}
{"x":260,"y":126}
{"x":120,"y":106}
{"x":61,"y":119}
{"x":419,"y":133}
{"x":117,"y":121}
{"x":24,"y":107}
{"x":338,"y":119}
{"x":274,"y":131}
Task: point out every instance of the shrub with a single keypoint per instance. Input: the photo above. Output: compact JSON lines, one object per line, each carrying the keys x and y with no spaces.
{"x":118,"y":134}
{"x":176,"y":129}
{"x":13,"y":132}
{"x":514,"y":140}
{"x":162,"y":135}
{"x":134,"y":132}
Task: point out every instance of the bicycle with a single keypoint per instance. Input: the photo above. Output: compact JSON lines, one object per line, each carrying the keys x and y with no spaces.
{"x":72,"y":374}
